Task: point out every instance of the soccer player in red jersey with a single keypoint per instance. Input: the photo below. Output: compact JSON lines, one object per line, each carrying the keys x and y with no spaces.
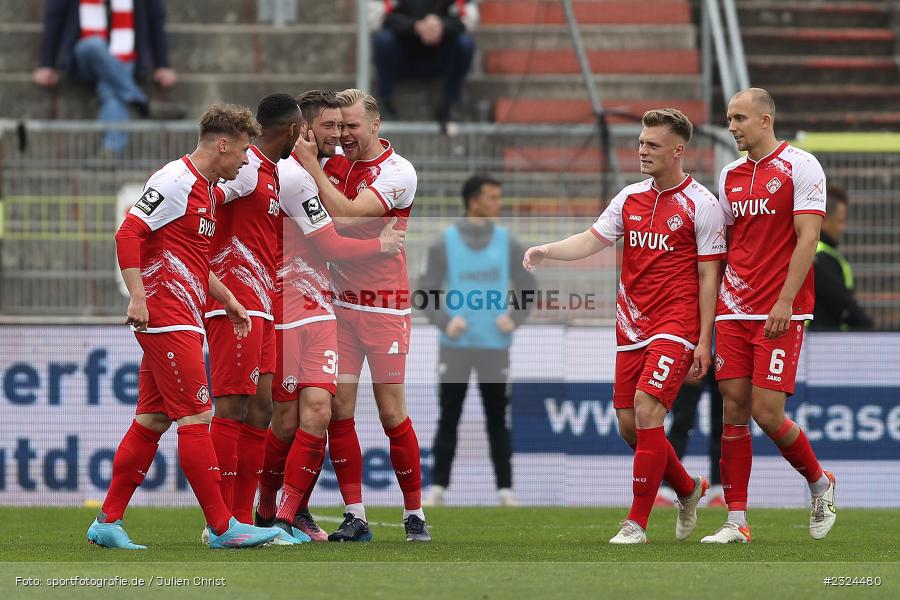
{"x":163,"y":250}
{"x":370,"y":184}
{"x":306,"y":329}
{"x":774,"y":201}
{"x":674,"y":234}
{"x":243,"y":256}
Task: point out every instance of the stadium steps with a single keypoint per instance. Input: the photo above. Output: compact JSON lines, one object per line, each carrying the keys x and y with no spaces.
{"x":586,"y":12}
{"x":526,"y":110}
{"x":831,"y":65}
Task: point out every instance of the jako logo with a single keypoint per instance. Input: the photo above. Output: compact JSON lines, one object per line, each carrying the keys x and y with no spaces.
{"x":757,"y":206}
{"x":649,"y":240}
{"x":634,"y":217}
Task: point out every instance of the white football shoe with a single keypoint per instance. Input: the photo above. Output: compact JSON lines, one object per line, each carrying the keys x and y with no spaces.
{"x":435,"y":496}
{"x":823,"y":515}
{"x":630,"y":533}
{"x":204,"y":537}
{"x":506,"y":497}
{"x":729,"y":533}
{"x":687,"y":509}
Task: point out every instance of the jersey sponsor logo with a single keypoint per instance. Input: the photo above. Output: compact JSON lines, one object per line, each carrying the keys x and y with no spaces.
{"x":720,"y":362}
{"x":650,"y":240}
{"x":774,"y":185}
{"x":634,"y":217}
{"x":149,"y":201}
{"x":752,"y":208}
{"x":254,"y":376}
{"x":207,"y":227}
{"x":274,"y":207}
{"x":203,"y":394}
{"x":290,"y":384}
{"x":674,"y":222}
{"x":314,"y":210}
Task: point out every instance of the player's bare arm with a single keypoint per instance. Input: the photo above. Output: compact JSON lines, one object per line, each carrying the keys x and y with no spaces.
{"x":806,"y":226}
{"x":137,"y":316}
{"x":233,"y":309}
{"x":575,"y":247}
{"x":710,"y":276}
{"x":366,"y":204}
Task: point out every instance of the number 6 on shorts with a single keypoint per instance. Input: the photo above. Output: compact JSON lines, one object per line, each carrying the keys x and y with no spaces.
{"x":776,"y":365}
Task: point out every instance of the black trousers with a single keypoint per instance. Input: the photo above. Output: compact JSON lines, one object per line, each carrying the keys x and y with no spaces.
{"x":454,"y":368}
{"x":684,"y":412}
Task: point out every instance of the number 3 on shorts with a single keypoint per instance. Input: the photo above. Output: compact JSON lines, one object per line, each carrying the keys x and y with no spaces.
{"x":776,"y":365}
{"x":331,"y":366}
{"x":664,"y":362}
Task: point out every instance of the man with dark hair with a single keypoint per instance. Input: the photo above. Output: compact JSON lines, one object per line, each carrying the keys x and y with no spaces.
{"x":673,"y":229}
{"x":243,"y":255}
{"x":836,"y":305}
{"x":424,"y":39}
{"x":109,"y":44}
{"x":163,"y":250}
{"x":475,"y":255}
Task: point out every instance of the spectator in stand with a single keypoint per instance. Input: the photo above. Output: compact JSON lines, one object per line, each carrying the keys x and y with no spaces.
{"x":836,"y":306}
{"x":423,"y":38}
{"x":109,"y":43}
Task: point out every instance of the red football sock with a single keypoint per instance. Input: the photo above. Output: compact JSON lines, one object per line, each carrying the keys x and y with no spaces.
{"x":224,"y":434}
{"x":676,"y":474}
{"x":198,"y":461}
{"x":649,"y":464}
{"x":799,"y":453}
{"x":304,"y":502}
{"x":346,"y":458}
{"x":735,"y":464}
{"x":272,"y":477}
{"x":130,"y":465}
{"x":251,"y":454}
{"x":406,"y":460}
{"x":302,"y":469}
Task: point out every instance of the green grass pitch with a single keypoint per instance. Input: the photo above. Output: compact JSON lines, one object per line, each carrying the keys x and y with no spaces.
{"x":482,"y":553}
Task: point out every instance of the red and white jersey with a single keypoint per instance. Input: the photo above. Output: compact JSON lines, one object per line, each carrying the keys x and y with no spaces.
{"x":760,"y":200}
{"x":665,"y":233}
{"x":379,"y":283}
{"x":244,"y":250}
{"x":304,"y":283}
{"x":179,"y":206}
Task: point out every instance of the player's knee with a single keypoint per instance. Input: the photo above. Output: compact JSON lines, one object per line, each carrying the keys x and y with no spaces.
{"x":768,"y":418}
{"x":154,"y":421}
{"x":735,"y":412}
{"x":648,"y":411}
{"x":233,"y":407}
{"x":627,"y":432}
{"x":391,"y":416}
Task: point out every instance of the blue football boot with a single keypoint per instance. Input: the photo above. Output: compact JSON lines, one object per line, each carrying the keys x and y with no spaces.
{"x":111,"y":535}
{"x":242,"y":535}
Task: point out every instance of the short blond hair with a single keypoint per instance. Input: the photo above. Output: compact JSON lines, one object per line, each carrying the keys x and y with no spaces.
{"x":672,"y":118}
{"x":229,"y":119}
{"x":353,"y":96}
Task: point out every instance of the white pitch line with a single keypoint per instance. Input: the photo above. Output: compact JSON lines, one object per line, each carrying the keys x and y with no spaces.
{"x":327,"y":519}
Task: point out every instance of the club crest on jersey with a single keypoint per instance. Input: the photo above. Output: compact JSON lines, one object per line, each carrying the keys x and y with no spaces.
{"x":274,"y":207}
{"x":675,"y":222}
{"x":290,"y":384}
{"x":720,"y":362}
{"x":207,"y":227}
{"x":203,"y":394}
{"x":774,"y":185}
{"x":149,"y":201}
{"x":314,"y":210}
{"x":362,"y":185}
{"x":254,"y":376}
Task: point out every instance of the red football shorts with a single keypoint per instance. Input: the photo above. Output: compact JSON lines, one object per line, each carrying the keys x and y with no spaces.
{"x":381,"y":339}
{"x":172,"y":378}
{"x":307,"y":357}
{"x":235,"y":364}
{"x":742,"y":350}
{"x":658,"y":369}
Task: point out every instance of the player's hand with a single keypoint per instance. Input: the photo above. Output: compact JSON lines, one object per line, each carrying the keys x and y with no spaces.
{"x":505,"y":323}
{"x":239,"y":318}
{"x":306,"y":148}
{"x":456,"y":327}
{"x":534,"y":256}
{"x":137,"y":316}
{"x":779,"y":319}
{"x":702,"y":360}
{"x":391,"y":239}
{"x":165,"y":77}
{"x":45,"y":76}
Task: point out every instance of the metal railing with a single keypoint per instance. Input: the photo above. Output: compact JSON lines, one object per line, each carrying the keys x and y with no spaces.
{"x":725,"y":40}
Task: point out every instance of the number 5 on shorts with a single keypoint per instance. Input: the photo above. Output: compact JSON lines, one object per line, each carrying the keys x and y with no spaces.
{"x":776,"y":365}
{"x":664,"y":362}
